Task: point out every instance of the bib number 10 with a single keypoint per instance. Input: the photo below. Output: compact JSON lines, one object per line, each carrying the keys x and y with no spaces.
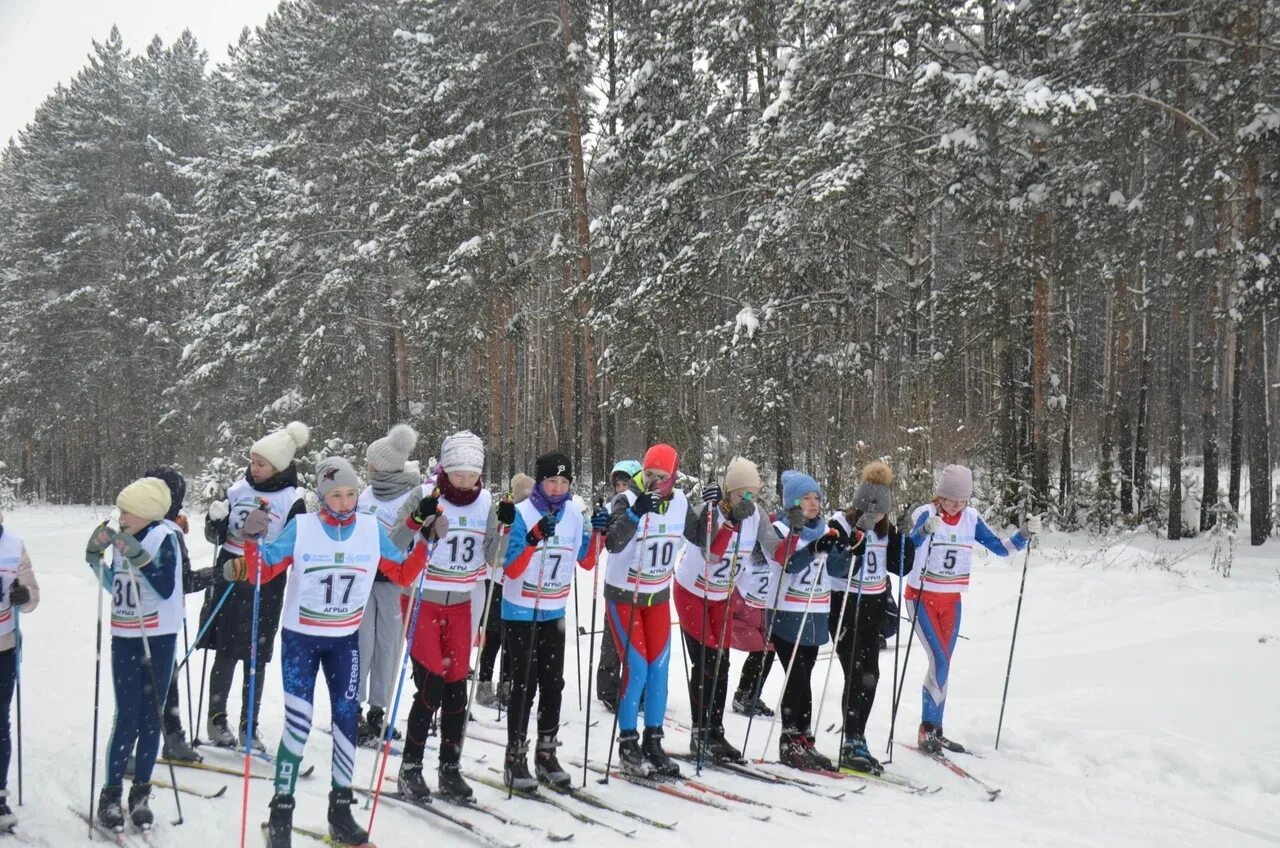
{"x":661,"y":555}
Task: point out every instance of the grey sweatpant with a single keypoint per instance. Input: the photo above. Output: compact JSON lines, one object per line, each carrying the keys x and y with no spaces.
{"x":380,"y":644}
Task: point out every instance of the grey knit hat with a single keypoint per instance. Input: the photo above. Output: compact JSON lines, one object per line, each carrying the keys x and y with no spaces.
{"x":391,"y":452}
{"x":874,"y":494}
{"x":956,"y":482}
{"x":334,"y":472}
{"x":463,"y":451}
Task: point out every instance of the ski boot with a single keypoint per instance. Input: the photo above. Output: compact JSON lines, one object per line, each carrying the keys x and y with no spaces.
{"x":219,"y":731}
{"x":342,"y":827}
{"x":257,"y":739}
{"x":280,"y":823}
{"x":631,"y":759}
{"x":139,"y":806}
{"x":745,"y":704}
{"x":855,"y":756}
{"x":663,"y":766}
{"x":931,"y":741}
{"x":485,"y":696}
{"x":451,"y":786}
{"x":110,"y":813}
{"x":177,"y":748}
{"x":8,"y":821}
{"x":412,"y":785}
{"x":547,"y":766}
{"x":815,"y":758}
{"x":515,"y":769}
{"x":717,"y":749}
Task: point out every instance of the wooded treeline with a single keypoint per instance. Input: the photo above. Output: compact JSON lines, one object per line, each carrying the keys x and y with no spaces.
{"x":1042,"y":238}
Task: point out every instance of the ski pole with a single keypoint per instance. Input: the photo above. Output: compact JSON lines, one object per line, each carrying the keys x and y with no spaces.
{"x":156,"y":698}
{"x":835,"y":643}
{"x":526,"y":698}
{"x":186,"y":647}
{"x":503,"y":532}
{"x":97,"y":689}
{"x":722,"y":649}
{"x":204,"y":662}
{"x":906,"y":657}
{"x":770,"y":614}
{"x":701,"y":724}
{"x":17,"y":632}
{"x":409,"y":631}
{"x":897,"y":630}
{"x":253,"y":684}
{"x":1017,"y":616}
{"x":795,"y":651}
{"x":591,"y":652}
{"x":853,"y":655}
{"x":204,"y":628}
{"x":624,"y":648}
{"x":577,"y":638}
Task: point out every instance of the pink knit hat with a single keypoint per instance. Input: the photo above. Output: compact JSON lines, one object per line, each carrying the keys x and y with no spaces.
{"x":956,"y":482}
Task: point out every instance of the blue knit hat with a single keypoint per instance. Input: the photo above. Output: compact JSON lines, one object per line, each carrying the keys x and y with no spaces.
{"x":795,"y":485}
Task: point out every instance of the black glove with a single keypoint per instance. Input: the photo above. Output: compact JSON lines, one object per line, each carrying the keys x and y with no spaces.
{"x":19,"y":594}
{"x":426,"y":509}
{"x":643,"y":504}
{"x":506,"y":512}
{"x":842,"y":535}
{"x":742,"y":510}
{"x":545,"y":527}
{"x":826,"y":542}
{"x":712,"y":493}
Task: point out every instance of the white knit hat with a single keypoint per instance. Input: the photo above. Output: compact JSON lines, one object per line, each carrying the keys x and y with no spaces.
{"x":391,"y":452}
{"x":741,"y":473}
{"x":463,"y":451}
{"x":279,"y":447}
{"x":956,"y":483}
{"x":147,"y":498}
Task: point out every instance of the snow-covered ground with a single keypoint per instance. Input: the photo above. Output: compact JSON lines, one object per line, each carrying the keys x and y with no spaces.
{"x":1143,"y":711}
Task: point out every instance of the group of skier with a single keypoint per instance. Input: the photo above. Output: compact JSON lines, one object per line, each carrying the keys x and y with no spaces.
{"x":439,"y":560}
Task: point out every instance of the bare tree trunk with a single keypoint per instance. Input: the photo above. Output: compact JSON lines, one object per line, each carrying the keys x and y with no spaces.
{"x":1041,"y":240}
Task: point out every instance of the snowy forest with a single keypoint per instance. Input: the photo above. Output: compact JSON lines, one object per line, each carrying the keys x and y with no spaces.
{"x":1042,"y":238}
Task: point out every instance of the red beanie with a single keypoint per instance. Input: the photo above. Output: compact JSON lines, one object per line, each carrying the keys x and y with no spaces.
{"x":662,"y":457}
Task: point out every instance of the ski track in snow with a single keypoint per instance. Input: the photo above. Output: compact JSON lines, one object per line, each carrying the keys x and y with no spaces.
{"x":1142,"y":712}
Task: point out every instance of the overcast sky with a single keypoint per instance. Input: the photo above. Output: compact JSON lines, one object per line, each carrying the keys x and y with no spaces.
{"x":44,"y":42}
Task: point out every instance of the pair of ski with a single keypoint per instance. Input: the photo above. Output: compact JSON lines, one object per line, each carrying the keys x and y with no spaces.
{"x":955,"y":768}
{"x":888,"y":779}
{"x":679,"y":787}
{"x":479,"y":834}
{"x":586,"y":798}
{"x":135,"y":838}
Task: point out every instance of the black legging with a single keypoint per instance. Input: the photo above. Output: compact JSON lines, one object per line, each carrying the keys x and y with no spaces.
{"x":797,"y":698}
{"x":432,"y":694}
{"x":493,"y":638}
{"x":755,"y":671}
{"x":859,"y":692}
{"x":172,"y":709}
{"x":220,"y":678}
{"x":702,"y":682}
{"x":535,"y":669}
{"x":8,"y":681}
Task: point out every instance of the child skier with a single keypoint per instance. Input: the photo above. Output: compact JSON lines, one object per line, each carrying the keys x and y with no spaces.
{"x":334,"y":554}
{"x":702,"y":601}
{"x":144,"y":578}
{"x":548,"y":537}
{"x":491,"y":637}
{"x":271,"y":476}
{"x":944,"y":534}
{"x":441,"y":647}
{"x":799,"y":608}
{"x":19,"y":593}
{"x":607,"y":669}
{"x":648,"y":527}
{"x":392,"y":484}
{"x":860,"y":604}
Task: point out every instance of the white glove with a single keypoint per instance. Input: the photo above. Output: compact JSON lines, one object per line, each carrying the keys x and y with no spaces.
{"x":219,"y":510}
{"x":1032,"y":527}
{"x":932,"y":525}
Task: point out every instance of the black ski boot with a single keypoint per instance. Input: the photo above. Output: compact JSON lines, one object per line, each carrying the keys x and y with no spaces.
{"x":110,"y":813}
{"x":451,"y":786}
{"x":546,"y":764}
{"x":412,"y":785}
{"x":8,"y":821}
{"x":718,"y":749}
{"x":663,"y":766}
{"x":280,"y":823}
{"x":370,"y":729}
{"x":630,"y":758}
{"x":931,"y":741}
{"x":791,"y":750}
{"x":515,"y":770}
{"x":951,"y":745}
{"x":813,"y":756}
{"x":342,"y":827}
{"x":855,"y":755}
{"x":177,"y":748}
{"x":139,"y":809}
